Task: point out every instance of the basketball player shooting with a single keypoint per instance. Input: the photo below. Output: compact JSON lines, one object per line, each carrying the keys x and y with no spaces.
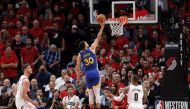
{"x":87,"y":58}
{"x":22,"y":100}
{"x":135,"y":92}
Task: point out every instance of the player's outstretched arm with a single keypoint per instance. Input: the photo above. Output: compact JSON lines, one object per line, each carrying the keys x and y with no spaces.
{"x":99,"y":36}
{"x":78,"y":68}
{"x":121,"y":96}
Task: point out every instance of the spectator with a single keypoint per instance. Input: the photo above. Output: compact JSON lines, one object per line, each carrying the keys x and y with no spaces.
{"x":10,"y":7}
{"x":82,"y":22}
{"x":24,"y":10}
{"x":36,"y":31}
{"x":117,"y":81}
{"x":123,"y":73}
{"x":55,"y":101}
{"x":40,"y":99}
{"x":18,"y":28}
{"x":27,"y":23}
{"x":72,"y":73}
{"x":56,"y":37}
{"x":9,"y":63}
{"x":4,"y":97}
{"x":146,"y":68}
{"x":140,"y":74}
{"x":85,"y":101}
{"x":103,"y":59}
{"x":154,"y":91}
{"x":33,"y":88}
{"x":45,"y":9}
{"x":51,"y":59}
{"x":49,"y":93}
{"x":73,"y":62}
{"x":114,"y":89}
{"x":11,"y":20}
{"x":52,"y":79}
{"x":29,"y":54}
{"x":7,"y":84}
{"x":64,"y":91}
{"x":43,"y":76}
{"x":71,"y":101}
{"x":103,"y":81}
{"x":48,"y":22}
{"x":105,"y":101}
{"x":161,"y":60}
{"x":156,"y":52}
{"x":155,"y":38}
{"x":5,"y":36}
{"x":61,"y":80}
{"x":25,"y":35}
{"x":17,"y":46}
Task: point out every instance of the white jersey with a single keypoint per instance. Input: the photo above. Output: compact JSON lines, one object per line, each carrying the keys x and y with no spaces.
{"x":135,"y":94}
{"x":20,"y":103}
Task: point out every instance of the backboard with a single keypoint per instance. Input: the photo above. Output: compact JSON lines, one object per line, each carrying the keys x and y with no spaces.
{"x":137,"y":11}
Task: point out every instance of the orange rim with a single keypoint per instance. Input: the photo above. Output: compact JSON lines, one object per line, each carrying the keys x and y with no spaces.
{"x":121,"y":20}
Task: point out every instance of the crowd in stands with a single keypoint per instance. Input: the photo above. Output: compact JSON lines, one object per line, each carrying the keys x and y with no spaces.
{"x":46,"y":33}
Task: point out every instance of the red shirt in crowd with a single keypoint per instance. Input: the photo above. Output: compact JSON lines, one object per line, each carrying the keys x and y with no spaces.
{"x":120,"y":105}
{"x":24,"y":11}
{"x":156,"y":53}
{"x":9,"y":72}
{"x":37,"y":33}
{"x":10,"y":20}
{"x":47,"y":24}
{"x":134,"y":60}
{"x":120,"y":42}
{"x":29,"y":55}
{"x":147,"y":70}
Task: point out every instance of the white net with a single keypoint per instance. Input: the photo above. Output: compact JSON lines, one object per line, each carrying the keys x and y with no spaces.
{"x":116,"y":25}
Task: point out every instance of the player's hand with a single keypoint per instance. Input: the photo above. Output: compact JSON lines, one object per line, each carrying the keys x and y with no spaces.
{"x":102,"y":24}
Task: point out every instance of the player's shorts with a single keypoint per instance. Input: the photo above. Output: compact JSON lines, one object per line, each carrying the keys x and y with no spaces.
{"x":24,"y":105}
{"x":92,"y":78}
{"x":135,"y":106}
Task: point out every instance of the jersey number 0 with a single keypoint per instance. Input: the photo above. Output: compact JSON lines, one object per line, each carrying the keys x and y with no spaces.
{"x":89,"y":61}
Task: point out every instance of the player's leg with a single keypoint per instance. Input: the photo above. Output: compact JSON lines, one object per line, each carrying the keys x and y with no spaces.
{"x":91,"y":98}
{"x":28,"y":105}
{"x":96,"y":90}
{"x":90,"y":92}
{"x":19,"y":103}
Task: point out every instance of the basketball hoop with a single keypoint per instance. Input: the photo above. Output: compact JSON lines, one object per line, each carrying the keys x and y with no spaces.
{"x":116,"y":25}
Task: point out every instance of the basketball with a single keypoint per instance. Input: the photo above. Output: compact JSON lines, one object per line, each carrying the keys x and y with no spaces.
{"x":101,"y":18}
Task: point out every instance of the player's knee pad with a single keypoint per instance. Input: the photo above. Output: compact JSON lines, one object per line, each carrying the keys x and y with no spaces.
{"x":97,"y":94}
{"x":91,"y":96}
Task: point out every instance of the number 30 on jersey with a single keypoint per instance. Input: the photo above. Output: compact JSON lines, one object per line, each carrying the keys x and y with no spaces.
{"x":89,"y":61}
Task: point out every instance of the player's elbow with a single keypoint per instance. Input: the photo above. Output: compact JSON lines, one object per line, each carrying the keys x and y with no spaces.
{"x":25,"y":97}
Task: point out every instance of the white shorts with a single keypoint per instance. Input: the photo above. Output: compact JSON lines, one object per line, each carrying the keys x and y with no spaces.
{"x":135,"y":106}
{"x":24,"y":105}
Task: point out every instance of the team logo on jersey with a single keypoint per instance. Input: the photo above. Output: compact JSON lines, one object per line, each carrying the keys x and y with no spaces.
{"x":159,"y":104}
